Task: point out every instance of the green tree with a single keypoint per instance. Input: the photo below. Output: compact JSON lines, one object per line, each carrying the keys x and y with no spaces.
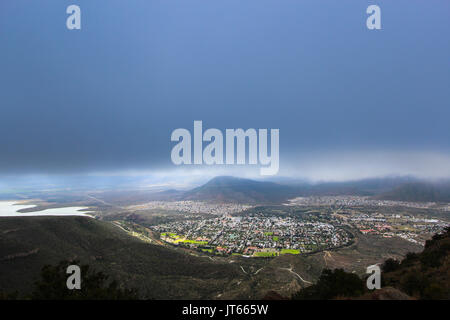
{"x":332,"y":284}
{"x":390,"y":265}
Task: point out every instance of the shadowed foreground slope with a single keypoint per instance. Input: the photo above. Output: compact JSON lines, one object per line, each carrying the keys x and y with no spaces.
{"x":27,"y":244}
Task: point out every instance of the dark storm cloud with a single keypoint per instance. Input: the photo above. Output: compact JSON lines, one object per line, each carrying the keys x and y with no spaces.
{"x":107,"y":97}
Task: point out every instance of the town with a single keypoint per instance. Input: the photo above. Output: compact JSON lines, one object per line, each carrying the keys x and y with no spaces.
{"x":361,"y":201}
{"x":304,"y":225}
{"x":256,"y":236}
{"x":194,"y":207}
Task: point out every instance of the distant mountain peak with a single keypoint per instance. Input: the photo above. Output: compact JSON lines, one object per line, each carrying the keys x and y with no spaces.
{"x":226,"y":180}
{"x":240,"y":190}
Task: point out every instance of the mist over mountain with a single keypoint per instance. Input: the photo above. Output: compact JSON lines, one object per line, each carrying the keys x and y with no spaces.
{"x":364,"y":187}
{"x":419,"y":192}
{"x":141,"y":189}
{"x":233,"y":189}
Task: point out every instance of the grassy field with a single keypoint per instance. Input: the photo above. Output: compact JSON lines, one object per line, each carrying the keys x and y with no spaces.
{"x":265,"y":254}
{"x":291,"y":251}
{"x":191,"y":241}
{"x":174,"y":238}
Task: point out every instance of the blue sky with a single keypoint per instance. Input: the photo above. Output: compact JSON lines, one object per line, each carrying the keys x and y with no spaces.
{"x":349,"y":102}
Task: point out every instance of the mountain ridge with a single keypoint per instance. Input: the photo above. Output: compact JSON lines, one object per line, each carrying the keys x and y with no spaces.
{"x":419,"y":192}
{"x":233,"y":189}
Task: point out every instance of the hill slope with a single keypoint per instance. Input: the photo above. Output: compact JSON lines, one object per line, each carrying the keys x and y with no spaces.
{"x":27,"y":244}
{"x":424,"y":275}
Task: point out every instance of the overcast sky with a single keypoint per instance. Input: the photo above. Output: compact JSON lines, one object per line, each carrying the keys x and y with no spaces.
{"x":349,"y":102}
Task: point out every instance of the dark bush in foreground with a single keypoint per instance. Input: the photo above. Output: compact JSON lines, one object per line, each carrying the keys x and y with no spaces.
{"x":94,"y":285}
{"x":332,"y":284}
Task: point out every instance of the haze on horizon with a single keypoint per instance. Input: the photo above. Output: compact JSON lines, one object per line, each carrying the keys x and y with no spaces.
{"x":102,"y":102}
